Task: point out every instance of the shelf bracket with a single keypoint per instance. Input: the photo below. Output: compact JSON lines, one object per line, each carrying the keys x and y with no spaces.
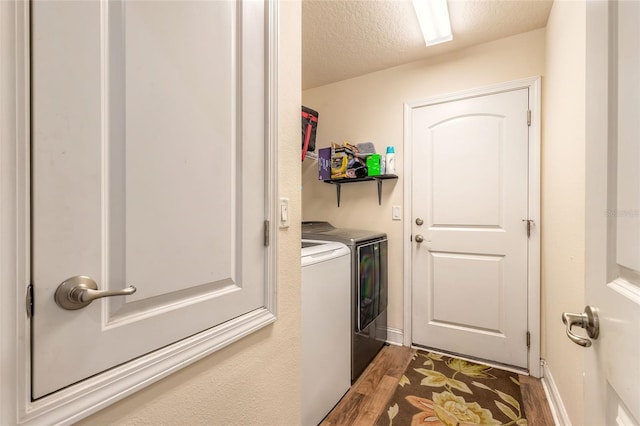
{"x":379,"y":179}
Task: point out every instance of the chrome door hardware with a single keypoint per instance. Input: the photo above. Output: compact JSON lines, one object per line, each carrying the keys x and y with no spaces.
{"x":79,"y":291}
{"x":419,"y":238}
{"x":587,"y":320}
{"x":419,"y":221}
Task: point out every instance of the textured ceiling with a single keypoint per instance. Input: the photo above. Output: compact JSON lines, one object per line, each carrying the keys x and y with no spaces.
{"x":347,"y":38}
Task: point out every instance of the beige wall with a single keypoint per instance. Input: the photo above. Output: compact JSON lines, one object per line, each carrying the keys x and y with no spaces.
{"x":370,"y":108}
{"x":255,"y":381}
{"x":563,"y":199}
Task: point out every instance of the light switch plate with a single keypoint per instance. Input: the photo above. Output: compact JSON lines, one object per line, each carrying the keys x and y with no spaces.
{"x":396,"y":213}
{"x":284,"y":212}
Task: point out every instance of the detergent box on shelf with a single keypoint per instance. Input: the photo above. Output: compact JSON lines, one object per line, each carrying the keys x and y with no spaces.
{"x":324,"y":164}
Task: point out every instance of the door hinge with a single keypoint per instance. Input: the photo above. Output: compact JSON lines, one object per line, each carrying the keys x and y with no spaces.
{"x":29,"y":301}
{"x":266,"y":233}
{"x":529,"y":117}
{"x":529,"y":223}
{"x":528,"y":339}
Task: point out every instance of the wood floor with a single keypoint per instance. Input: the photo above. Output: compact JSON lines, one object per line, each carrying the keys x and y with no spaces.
{"x":368,"y":397}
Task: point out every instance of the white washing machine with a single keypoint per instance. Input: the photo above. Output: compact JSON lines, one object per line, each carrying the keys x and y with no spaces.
{"x":326,"y":327}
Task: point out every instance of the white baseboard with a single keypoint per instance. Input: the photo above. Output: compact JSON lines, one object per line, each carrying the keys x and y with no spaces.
{"x":559,"y":412}
{"x":395,"y":336}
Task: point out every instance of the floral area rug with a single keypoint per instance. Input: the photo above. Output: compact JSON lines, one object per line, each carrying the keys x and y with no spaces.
{"x":440,"y":390}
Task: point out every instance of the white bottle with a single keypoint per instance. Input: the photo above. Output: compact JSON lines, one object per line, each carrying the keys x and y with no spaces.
{"x":391,"y":161}
{"x":383,"y":165}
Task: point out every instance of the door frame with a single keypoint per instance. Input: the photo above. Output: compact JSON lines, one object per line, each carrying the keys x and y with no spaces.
{"x":75,"y":402}
{"x":533,"y":273}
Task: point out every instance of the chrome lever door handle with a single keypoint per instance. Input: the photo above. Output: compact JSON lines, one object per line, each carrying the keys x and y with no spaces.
{"x":587,"y":320}
{"x":575,"y":319}
{"x":79,"y":291}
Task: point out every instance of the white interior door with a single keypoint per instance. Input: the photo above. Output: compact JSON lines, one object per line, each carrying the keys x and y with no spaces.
{"x":469,"y":201}
{"x":612,"y":364}
{"x":148,"y":170}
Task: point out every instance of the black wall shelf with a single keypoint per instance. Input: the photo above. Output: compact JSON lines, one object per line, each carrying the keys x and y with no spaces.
{"x":339,"y":182}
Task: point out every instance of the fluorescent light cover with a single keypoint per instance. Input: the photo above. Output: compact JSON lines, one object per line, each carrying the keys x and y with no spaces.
{"x":433,"y":16}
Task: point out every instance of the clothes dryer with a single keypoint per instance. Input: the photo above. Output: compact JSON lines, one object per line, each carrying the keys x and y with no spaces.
{"x":369,"y":288}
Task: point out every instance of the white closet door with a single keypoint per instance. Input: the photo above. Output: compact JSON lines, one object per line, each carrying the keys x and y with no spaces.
{"x":148,"y":170}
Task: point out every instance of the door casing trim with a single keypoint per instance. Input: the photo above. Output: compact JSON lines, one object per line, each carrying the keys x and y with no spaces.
{"x":78,"y":401}
{"x":533,"y":291}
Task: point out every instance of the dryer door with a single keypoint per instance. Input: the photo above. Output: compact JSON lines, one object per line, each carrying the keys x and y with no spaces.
{"x":372,"y":281}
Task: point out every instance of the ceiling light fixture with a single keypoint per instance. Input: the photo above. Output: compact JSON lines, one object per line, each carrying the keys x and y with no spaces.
{"x":433,"y":16}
